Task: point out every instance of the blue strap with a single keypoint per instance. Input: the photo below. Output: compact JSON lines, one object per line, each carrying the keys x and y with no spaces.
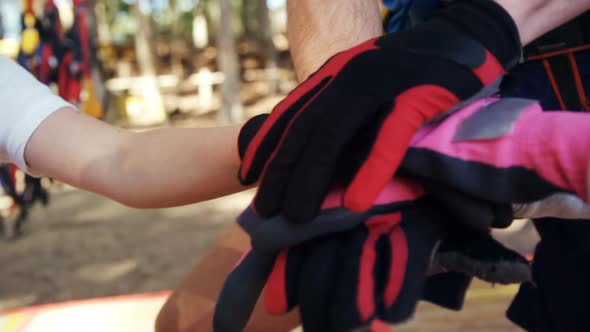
{"x":405,"y":13}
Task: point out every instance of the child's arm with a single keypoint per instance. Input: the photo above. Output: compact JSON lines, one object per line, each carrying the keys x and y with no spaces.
{"x":43,"y":134}
{"x":149,"y":169}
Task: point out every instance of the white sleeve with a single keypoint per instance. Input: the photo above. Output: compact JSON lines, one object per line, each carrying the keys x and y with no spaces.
{"x":24,"y":104}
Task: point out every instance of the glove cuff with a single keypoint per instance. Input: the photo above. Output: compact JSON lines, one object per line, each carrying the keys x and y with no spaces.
{"x":490,"y":24}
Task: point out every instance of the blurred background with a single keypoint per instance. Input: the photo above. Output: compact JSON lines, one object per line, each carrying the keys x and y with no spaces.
{"x":142,"y":64}
{"x":153,"y":62}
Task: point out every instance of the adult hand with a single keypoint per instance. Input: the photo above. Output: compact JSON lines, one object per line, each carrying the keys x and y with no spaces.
{"x":392,"y":85}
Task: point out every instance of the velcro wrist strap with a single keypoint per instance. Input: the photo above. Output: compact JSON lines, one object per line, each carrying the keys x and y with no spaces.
{"x":462,"y":33}
{"x":490,"y":24}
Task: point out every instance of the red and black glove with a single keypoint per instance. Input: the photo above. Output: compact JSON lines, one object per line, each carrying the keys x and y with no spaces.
{"x":353,"y":279}
{"x":343,"y":270}
{"x":347,"y":270}
{"x":392,"y":84}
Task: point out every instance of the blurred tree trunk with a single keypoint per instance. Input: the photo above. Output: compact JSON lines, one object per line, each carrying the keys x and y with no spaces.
{"x":247,"y":19}
{"x":103,"y":30}
{"x":266,"y":44}
{"x":201,"y":26}
{"x":176,"y":42}
{"x":144,"y":50}
{"x":143,"y":46}
{"x":211,"y":13}
{"x":97,"y":28}
{"x":1,"y":27}
{"x":231,"y":108}
{"x":264,"y":27}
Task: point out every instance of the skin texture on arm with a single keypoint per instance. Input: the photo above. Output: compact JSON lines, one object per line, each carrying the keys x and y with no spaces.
{"x":319,"y":29}
{"x":149,"y":169}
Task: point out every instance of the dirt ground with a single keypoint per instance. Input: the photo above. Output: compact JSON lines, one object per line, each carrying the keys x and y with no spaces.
{"x":84,"y":246}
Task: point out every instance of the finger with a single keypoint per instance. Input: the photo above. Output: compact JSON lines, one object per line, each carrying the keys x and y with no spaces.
{"x":280,"y":295}
{"x":269,"y":135}
{"x":478,"y":254}
{"x":354,"y":303}
{"x":503,"y":215}
{"x":469,"y":211}
{"x":315,"y":171}
{"x":462,"y":208}
{"x":316,"y":284}
{"x":248,"y":131}
{"x":280,"y":165}
{"x":241,"y":290}
{"x":412,"y":109}
{"x":447,"y":290}
{"x":421,"y":228}
{"x":277,"y":233}
{"x":397,"y":263}
{"x":317,"y":82}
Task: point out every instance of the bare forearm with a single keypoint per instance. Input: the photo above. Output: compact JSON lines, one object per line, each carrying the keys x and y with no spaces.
{"x":156,"y":168}
{"x":180,"y":166}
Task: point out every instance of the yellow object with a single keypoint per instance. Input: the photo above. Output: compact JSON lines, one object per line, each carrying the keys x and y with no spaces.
{"x":90,"y":103}
{"x":30,"y":39}
{"x":13,"y":322}
{"x":29,"y":20}
{"x":9,"y":47}
{"x":136,"y":111}
{"x":493,"y":292}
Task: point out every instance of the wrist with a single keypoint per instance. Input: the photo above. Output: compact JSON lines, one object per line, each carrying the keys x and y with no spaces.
{"x":488,"y":23}
{"x":319,"y":29}
{"x":536,"y":17}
